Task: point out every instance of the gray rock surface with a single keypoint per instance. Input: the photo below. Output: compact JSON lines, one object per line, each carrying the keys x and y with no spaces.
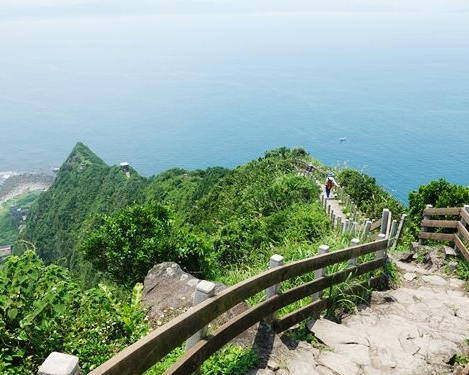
{"x":413,"y":330}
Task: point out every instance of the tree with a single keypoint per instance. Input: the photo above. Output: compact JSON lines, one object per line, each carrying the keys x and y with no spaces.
{"x":130,"y":242}
{"x":439,"y":193}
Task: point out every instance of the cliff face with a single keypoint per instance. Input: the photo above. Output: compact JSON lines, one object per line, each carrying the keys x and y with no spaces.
{"x":84,"y":186}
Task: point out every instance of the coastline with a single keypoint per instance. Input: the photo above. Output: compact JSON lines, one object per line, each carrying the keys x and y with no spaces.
{"x":13,"y":185}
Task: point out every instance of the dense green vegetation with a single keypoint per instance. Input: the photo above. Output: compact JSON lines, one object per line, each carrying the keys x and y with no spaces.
{"x":84,"y":186}
{"x":108,"y":229}
{"x":42,"y":309}
{"x":132,"y":241}
{"x":369,"y":197}
{"x":438,"y":193}
{"x":8,"y":225}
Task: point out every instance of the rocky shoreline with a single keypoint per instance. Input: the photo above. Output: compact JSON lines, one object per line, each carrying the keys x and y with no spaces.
{"x":14,"y":184}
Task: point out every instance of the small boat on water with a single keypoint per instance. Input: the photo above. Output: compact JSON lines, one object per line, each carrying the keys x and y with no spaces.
{"x":342,"y":139}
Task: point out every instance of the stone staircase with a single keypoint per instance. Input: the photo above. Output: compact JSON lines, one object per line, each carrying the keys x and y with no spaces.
{"x":417,"y":329}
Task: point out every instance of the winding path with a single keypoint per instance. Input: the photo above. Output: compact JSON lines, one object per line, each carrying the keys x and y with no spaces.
{"x":417,"y":329}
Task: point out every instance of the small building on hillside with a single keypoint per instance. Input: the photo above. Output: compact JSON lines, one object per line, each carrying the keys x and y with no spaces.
{"x":125,"y":168}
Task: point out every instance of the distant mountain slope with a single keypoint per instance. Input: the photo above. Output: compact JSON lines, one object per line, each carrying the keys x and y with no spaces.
{"x":241,"y":212}
{"x":84,"y":186}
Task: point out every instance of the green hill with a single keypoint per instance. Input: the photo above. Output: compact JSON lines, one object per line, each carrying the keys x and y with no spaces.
{"x":84,"y":186}
{"x":239,"y":212}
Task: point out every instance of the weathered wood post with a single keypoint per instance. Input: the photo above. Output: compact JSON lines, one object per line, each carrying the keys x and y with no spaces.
{"x":384,"y":221}
{"x":339,"y":224}
{"x":366,"y":229}
{"x":352,"y":262}
{"x":465,"y":208}
{"x":323,"y":200}
{"x":399,"y":230}
{"x":346,"y":225}
{"x":354,"y":230}
{"x":276,"y":260}
{"x":332,"y":217}
{"x":463,"y":222}
{"x":203,"y":291}
{"x":353,"y":211}
{"x":329,"y":209}
{"x":380,"y":253}
{"x":424,"y":229}
{"x":59,"y":364}
{"x":392,"y":232}
{"x":323,"y":249}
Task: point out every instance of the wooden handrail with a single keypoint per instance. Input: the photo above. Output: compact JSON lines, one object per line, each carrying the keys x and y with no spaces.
{"x":460,"y":245}
{"x":453,"y":237}
{"x":465,"y":216}
{"x":442,"y":211}
{"x":144,"y":353}
{"x":464,"y":232}
{"x":439,"y":223}
{"x":436,"y":236}
{"x":376,"y":224}
{"x":195,"y":357}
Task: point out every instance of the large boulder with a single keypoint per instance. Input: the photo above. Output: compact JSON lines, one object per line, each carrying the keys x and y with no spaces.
{"x":168,"y":292}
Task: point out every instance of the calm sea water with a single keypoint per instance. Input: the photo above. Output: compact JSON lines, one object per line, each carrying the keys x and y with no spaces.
{"x":198,"y":91}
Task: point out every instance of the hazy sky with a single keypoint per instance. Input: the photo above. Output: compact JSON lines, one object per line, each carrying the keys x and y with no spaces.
{"x":28,"y":8}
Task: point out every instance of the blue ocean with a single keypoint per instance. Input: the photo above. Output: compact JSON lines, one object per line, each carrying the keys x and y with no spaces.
{"x":200,"y":90}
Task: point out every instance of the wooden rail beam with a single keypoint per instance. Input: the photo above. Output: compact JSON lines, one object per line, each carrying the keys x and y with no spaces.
{"x":442,"y":211}
{"x":436,"y":236}
{"x":194,"y":358}
{"x":465,"y":216}
{"x":439,"y":223}
{"x":144,"y":353}
{"x":376,"y":224}
{"x":313,"y":309}
{"x":460,"y":245}
{"x":464,"y":232}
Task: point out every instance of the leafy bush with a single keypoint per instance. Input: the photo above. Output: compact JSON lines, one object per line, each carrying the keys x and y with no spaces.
{"x":136,"y":238}
{"x":42,"y":309}
{"x":367,"y":194}
{"x":439,"y":193}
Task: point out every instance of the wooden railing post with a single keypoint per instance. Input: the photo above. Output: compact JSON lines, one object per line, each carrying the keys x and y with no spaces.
{"x":346,"y":225}
{"x":366,"y":229}
{"x":204,"y":290}
{"x":352,"y":262}
{"x":323,"y":249}
{"x":276,"y":260}
{"x":339,"y":224}
{"x":463,"y":222}
{"x":59,"y":364}
{"x":392,"y":232}
{"x":424,"y":229}
{"x":399,"y":230}
{"x":384,"y":221}
{"x":381,"y":253}
{"x":465,"y":208}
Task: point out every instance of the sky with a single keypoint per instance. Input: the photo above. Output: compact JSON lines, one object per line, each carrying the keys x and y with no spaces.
{"x":53,"y":8}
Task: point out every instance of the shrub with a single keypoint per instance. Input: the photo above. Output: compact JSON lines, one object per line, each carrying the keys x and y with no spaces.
{"x":42,"y":309}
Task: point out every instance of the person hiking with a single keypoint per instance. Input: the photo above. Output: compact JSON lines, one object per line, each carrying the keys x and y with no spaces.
{"x":330,"y":183}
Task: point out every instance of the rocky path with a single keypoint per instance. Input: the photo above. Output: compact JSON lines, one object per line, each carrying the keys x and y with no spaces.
{"x":417,"y":329}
